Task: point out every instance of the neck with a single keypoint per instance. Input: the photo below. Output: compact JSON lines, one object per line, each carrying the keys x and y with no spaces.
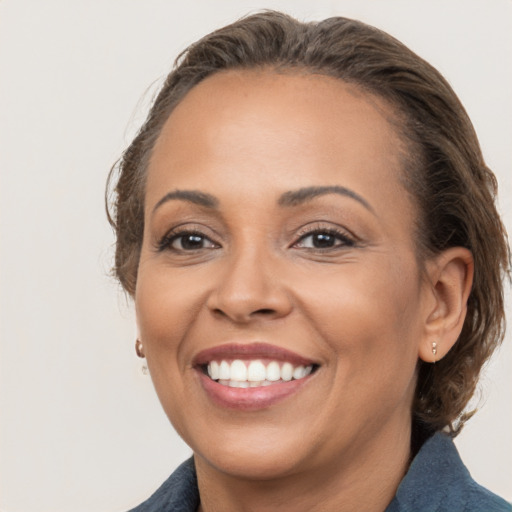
{"x":366,"y":479}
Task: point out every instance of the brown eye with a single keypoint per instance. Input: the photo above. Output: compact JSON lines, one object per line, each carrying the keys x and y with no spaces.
{"x":190,"y":242}
{"x":186,"y":241}
{"x":324,"y":240}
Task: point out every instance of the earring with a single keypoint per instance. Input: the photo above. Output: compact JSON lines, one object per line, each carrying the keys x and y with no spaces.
{"x":139,"y":349}
{"x":434,"y":350}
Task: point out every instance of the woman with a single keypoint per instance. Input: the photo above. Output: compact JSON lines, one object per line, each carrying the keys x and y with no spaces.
{"x":308,"y":230}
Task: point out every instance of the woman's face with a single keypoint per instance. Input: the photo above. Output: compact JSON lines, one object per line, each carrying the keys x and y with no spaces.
{"x":278,"y":244}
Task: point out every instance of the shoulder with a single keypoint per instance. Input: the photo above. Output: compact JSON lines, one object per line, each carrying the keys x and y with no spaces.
{"x":179,"y":493}
{"x":438,"y":481}
{"x":479,"y":499}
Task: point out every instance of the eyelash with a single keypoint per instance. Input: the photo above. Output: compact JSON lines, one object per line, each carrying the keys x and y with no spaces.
{"x":339,"y":236}
{"x":166,"y":242}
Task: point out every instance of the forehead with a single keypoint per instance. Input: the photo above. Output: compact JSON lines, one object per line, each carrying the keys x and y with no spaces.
{"x":293,"y":96}
{"x":266,"y":129}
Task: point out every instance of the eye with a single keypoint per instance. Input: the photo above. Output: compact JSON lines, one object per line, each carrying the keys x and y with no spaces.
{"x":186,"y":241}
{"x":324,"y":239}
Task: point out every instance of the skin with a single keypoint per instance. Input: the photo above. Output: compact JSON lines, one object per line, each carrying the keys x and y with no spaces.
{"x":362,"y":309}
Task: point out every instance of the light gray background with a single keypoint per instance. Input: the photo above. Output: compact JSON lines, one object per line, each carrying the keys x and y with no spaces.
{"x":81,"y":428}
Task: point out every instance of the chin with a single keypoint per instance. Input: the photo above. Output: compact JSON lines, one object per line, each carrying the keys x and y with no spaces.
{"x":253,"y":463}
{"x":250,"y":452}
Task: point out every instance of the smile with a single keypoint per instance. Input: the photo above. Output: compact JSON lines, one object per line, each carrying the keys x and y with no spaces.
{"x":252,"y":376}
{"x":255,"y":373}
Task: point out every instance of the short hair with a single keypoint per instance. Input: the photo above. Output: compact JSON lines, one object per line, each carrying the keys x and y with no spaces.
{"x":444,"y":171}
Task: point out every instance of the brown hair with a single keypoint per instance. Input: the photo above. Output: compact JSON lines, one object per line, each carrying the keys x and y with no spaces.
{"x":445,"y":171}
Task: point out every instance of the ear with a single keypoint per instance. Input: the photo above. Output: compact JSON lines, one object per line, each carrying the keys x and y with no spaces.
{"x":450,"y":276}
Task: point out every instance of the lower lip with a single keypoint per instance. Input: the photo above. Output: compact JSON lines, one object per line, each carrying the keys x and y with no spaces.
{"x":250,"y":399}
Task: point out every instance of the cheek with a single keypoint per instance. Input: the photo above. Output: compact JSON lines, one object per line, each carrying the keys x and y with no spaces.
{"x":368,"y":310}
{"x":166,"y":302}
{"x":369,"y":320}
{"x":165,"y":312}
{"x":166,"y":308}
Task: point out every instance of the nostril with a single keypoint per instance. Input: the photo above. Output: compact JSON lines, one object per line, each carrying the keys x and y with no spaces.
{"x":264,"y":311}
{"x":243,"y":317}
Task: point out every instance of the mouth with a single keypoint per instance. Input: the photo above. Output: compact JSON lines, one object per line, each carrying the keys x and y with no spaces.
{"x":251,"y":377}
{"x":240,"y":373}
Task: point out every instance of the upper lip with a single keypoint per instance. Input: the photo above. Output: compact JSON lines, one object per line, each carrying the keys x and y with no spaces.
{"x":255,"y":350}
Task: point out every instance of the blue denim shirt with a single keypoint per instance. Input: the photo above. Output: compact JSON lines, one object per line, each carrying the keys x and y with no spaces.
{"x":437,"y":481}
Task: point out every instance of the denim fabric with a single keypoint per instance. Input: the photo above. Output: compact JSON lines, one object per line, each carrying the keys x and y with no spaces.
{"x":437,"y":481}
{"x":179,"y":493}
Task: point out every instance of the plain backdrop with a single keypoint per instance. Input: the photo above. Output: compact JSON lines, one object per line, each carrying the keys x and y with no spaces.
{"x":81,"y":428}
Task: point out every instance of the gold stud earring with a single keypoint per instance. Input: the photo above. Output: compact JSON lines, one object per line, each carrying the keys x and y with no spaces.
{"x":139,"y":349}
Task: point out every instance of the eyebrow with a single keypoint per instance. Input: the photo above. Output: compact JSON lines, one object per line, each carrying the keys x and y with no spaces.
{"x":288,"y":199}
{"x":192,"y":196}
{"x":302,"y":195}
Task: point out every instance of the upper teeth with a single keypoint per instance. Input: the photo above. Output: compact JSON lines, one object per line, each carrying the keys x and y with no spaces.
{"x":255,"y":373}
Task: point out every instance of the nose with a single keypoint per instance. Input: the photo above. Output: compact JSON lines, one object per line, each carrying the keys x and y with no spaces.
{"x":249,"y":288}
